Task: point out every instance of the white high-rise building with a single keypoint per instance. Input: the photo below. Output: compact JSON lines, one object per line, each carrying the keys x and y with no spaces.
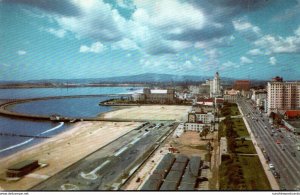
{"x":215,"y":89}
{"x":283,"y":96}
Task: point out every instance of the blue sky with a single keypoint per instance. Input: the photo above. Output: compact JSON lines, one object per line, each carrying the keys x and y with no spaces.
{"x":60,"y":39}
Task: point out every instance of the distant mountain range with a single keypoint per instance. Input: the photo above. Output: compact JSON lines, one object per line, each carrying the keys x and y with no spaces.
{"x":141,"y":78}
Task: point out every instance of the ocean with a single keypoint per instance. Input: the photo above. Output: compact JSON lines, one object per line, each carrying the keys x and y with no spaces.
{"x":17,"y":134}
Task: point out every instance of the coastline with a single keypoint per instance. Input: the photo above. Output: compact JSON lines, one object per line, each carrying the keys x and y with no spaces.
{"x":63,"y":150}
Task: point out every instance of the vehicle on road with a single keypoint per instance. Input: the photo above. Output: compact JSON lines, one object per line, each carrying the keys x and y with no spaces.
{"x":271,"y":166}
{"x":298,"y":148}
{"x":277,"y":142}
{"x":276,"y":174}
{"x":293,"y":154}
{"x":281,"y":136}
{"x":272,"y":134}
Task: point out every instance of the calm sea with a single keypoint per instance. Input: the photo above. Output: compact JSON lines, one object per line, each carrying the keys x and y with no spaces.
{"x":15,"y":133}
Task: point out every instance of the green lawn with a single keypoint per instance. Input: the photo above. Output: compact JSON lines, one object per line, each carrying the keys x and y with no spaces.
{"x":245,"y":148}
{"x":254,"y":174}
{"x":243,"y":173}
{"x":240,"y":127}
{"x":234,"y":110}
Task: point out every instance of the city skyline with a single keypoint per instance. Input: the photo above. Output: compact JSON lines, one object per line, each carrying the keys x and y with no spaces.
{"x":97,"y":39}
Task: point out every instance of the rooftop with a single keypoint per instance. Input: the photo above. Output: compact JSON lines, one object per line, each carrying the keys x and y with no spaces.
{"x":159,"y":91}
{"x":292,"y":113}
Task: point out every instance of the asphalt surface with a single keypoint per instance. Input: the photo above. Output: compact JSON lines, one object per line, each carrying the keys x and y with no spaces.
{"x":108,"y":167}
{"x":287,"y":165}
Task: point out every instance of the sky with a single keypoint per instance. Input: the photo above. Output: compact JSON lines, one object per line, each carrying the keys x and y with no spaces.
{"x":72,"y":39}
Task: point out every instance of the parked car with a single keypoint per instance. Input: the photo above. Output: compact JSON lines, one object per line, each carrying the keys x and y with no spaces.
{"x":277,"y":142}
{"x":271,"y":166}
{"x":293,"y":154}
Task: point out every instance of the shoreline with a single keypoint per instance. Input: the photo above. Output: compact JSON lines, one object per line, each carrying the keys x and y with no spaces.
{"x":63,"y":150}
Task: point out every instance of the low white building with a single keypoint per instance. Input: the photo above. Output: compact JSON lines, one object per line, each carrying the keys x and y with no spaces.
{"x":197,"y":126}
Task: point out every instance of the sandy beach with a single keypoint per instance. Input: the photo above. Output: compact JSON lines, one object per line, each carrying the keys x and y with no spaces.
{"x":63,"y":150}
{"x":151,"y":112}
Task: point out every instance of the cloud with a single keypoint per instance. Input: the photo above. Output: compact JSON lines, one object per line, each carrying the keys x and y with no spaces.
{"x":96,"y":47}
{"x":125,"y":44}
{"x":98,"y":20}
{"x":245,"y":60}
{"x":228,"y":65}
{"x":255,"y":52}
{"x":278,"y":44}
{"x":273,"y":60}
{"x":66,"y":8}
{"x":246,"y":29}
{"x":21,"y":52}
{"x":125,"y":4}
{"x":60,"y":33}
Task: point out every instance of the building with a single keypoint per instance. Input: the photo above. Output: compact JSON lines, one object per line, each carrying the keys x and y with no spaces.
{"x":231,"y":95}
{"x":282,"y":96}
{"x":242,"y":85}
{"x":199,"y":121}
{"x":159,"y":96}
{"x":21,"y":169}
{"x":259,"y":97}
{"x":292,"y":125}
{"x":215,"y":88}
{"x":292,"y":114}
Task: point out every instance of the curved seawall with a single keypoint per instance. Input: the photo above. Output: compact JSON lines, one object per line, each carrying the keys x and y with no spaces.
{"x":4,"y":110}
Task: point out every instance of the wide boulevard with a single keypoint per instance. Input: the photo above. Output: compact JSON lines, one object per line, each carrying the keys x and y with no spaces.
{"x":278,"y":144}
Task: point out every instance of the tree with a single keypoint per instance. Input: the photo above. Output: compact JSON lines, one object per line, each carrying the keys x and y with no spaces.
{"x":204,"y":132}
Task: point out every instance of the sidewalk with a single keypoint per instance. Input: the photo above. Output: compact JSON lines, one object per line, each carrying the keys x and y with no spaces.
{"x":271,"y":178}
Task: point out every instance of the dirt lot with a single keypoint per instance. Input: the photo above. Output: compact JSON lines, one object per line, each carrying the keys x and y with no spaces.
{"x":189,"y":143}
{"x":154,"y":112}
{"x":63,"y":150}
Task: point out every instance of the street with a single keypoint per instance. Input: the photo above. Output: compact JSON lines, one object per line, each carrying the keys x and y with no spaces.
{"x":278,"y":146}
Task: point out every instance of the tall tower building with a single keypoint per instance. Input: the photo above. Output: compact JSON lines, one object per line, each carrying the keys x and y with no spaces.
{"x":215,"y":89}
{"x":282,"y":95}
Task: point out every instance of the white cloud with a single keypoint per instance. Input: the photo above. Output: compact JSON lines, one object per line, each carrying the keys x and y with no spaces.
{"x":21,"y":52}
{"x":96,"y":47}
{"x":228,"y":65}
{"x":273,"y":60}
{"x":60,"y":33}
{"x":278,"y":44}
{"x":255,"y":52}
{"x":246,"y":29}
{"x":245,"y":60}
{"x":96,"y":20}
{"x":125,"y":44}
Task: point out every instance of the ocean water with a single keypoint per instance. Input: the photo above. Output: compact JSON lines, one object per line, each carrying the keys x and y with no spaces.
{"x":72,"y":107}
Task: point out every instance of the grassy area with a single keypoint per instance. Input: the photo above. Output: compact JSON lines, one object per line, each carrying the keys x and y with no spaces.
{"x":239,"y":172}
{"x":243,"y":173}
{"x":245,"y":148}
{"x":255,"y":178}
{"x":234,"y":110}
{"x":240,"y":127}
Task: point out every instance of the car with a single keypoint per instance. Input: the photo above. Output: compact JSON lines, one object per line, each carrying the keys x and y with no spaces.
{"x":298,"y":148}
{"x":283,"y":148}
{"x":278,"y":130}
{"x":282,"y":136}
{"x":277,"y":142}
{"x":293,"y":154}
{"x":266,"y":127}
{"x":273,"y":131}
{"x":271,"y":166}
{"x":276,"y":174}
{"x":272,"y":134}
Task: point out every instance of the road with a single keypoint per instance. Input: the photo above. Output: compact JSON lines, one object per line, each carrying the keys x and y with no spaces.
{"x":109,"y":167}
{"x":287,"y":165}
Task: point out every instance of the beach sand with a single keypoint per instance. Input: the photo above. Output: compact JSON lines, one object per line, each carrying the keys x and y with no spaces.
{"x":151,"y":112}
{"x":63,"y":150}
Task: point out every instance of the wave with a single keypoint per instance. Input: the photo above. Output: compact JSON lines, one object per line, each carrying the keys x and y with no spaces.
{"x":53,"y":129}
{"x":29,"y":140}
{"x":17,"y":145}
